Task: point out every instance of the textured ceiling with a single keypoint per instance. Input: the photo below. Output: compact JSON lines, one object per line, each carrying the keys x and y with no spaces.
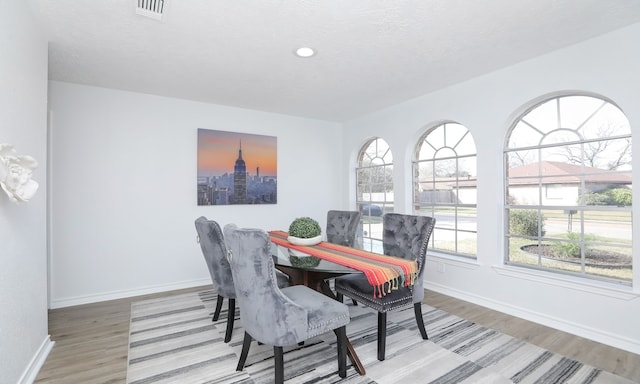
{"x":371,"y":53}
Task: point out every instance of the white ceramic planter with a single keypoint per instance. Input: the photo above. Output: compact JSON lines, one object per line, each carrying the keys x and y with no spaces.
{"x":301,"y":241}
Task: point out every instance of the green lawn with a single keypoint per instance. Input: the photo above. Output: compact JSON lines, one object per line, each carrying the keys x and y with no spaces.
{"x":518,"y":256}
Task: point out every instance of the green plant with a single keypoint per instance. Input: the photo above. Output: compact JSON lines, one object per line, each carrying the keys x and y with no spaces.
{"x":595,"y":198}
{"x":620,"y":196}
{"x":304,"y":228}
{"x":569,"y":249}
{"x":572,"y":249}
{"x":525,"y":222}
{"x":614,"y":196}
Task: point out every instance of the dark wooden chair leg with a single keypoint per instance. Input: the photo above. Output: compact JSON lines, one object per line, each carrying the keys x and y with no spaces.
{"x":279,"y":362}
{"x":231,"y":316}
{"x":382,"y":334}
{"x":216,"y":314}
{"x":245,"y":351}
{"x":417,"y":308}
{"x":341,"y":334}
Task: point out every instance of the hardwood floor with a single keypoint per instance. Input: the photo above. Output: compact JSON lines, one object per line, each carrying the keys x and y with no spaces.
{"x":91,"y":340}
{"x":601,"y":356}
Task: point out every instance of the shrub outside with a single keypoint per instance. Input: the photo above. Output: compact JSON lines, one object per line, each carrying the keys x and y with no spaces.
{"x":525,"y":222}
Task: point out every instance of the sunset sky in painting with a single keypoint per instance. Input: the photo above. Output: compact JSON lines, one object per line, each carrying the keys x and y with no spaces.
{"x":218,"y":151}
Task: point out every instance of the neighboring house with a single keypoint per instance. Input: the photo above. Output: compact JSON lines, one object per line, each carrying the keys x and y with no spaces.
{"x":560,"y":182}
{"x":449,"y":190}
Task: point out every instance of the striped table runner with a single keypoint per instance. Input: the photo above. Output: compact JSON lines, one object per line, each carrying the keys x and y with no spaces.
{"x":383,"y":272}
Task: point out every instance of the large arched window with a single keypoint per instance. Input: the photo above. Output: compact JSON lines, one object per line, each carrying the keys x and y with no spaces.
{"x":568,"y":189}
{"x":374,"y":181}
{"x":444,"y":186}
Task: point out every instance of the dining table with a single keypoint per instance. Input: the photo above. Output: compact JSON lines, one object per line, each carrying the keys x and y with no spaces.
{"x":303,"y":268}
{"x":308,"y":270}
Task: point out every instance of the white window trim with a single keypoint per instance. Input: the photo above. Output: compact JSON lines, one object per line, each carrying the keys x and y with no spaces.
{"x":616,"y":291}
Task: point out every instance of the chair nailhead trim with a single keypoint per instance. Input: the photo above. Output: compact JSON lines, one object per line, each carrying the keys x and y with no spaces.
{"x":375,"y":305}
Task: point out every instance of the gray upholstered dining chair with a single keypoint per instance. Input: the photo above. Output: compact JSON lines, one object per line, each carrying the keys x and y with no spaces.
{"x":274,"y":316}
{"x":214,"y":251}
{"x":342,"y":227}
{"x":405,"y":236}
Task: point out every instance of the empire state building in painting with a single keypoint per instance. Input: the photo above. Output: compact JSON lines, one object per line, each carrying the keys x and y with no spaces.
{"x":236,"y":168}
{"x":240,"y":179}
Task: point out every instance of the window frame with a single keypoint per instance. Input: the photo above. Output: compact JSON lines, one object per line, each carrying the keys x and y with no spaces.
{"x":442,"y":228}
{"x":575,"y":212}
{"x":371,"y":222}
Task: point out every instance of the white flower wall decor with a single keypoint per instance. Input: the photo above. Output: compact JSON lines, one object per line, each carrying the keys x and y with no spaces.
{"x":15,"y":174}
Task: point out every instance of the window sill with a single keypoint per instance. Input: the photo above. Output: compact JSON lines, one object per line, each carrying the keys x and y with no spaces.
{"x":595,"y":287}
{"x":458,"y":261}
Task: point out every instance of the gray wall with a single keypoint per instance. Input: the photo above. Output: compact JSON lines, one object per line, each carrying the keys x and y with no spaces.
{"x":24,"y":342}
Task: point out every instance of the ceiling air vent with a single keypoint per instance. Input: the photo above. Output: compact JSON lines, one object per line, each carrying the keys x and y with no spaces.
{"x":154,"y":9}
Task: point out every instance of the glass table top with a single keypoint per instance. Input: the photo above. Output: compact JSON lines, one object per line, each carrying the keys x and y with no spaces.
{"x":292,"y":258}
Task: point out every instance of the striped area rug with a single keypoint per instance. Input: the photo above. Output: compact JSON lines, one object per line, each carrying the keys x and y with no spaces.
{"x":173,"y":340}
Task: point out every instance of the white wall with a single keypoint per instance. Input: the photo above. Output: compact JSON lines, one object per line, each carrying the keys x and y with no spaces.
{"x":607,"y":65}
{"x":24,"y":340}
{"x":123,"y":187}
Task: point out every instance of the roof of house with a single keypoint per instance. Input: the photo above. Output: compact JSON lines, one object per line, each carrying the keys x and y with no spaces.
{"x":555,"y":172}
{"x":545,"y":172}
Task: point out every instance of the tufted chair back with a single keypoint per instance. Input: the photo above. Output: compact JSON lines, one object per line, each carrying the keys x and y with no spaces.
{"x":407,"y":236}
{"x":262,"y":304}
{"x":278,"y":316}
{"x":214,"y":251}
{"x":342,"y":227}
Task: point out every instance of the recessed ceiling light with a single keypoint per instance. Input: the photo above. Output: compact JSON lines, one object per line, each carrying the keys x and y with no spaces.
{"x":305,"y":52}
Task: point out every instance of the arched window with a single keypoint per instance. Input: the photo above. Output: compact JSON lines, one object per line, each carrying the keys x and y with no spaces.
{"x":444,"y":186}
{"x":374,"y":182}
{"x":568,"y":188}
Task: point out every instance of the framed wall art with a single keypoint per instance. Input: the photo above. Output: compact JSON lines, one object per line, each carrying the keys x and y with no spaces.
{"x":236,"y":168}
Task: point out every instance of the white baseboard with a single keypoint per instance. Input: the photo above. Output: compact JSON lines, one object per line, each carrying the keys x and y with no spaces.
{"x":613,"y":340}
{"x":31,"y":372}
{"x":87,"y":299}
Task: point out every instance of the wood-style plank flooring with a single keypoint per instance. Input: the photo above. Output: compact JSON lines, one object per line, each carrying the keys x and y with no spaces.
{"x":91,"y":340}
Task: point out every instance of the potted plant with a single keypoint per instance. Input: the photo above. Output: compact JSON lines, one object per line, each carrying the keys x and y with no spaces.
{"x":304,"y":231}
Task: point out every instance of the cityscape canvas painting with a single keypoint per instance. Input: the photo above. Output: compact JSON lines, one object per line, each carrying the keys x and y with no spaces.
{"x":236,"y":168}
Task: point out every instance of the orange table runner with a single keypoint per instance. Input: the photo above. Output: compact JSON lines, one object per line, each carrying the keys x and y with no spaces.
{"x":383,"y":272}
